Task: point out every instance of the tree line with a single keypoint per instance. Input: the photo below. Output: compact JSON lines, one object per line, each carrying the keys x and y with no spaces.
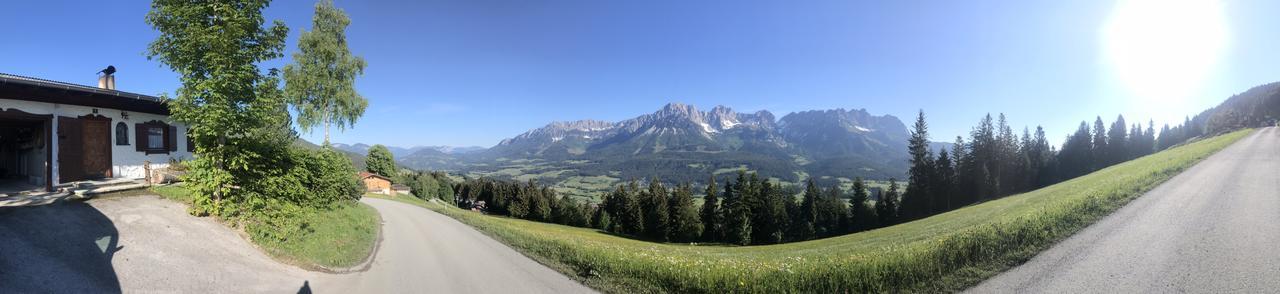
{"x":528,"y":200}
{"x":994,"y":162}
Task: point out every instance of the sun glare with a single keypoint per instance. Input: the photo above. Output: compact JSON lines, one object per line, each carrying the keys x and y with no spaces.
{"x":1163,"y":50}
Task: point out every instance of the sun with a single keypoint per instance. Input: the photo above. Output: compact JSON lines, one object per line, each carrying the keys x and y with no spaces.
{"x":1164,"y":50}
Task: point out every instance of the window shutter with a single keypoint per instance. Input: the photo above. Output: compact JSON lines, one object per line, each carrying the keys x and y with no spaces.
{"x":139,"y":137}
{"x":172,"y":136}
{"x":191,"y":144}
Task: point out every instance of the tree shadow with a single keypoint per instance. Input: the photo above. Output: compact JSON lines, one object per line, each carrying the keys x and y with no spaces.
{"x":64,"y":247}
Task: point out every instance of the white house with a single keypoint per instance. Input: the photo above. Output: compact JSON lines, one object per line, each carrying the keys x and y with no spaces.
{"x":53,"y":133}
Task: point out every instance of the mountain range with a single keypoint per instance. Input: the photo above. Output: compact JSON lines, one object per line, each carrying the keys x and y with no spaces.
{"x":681,"y":143}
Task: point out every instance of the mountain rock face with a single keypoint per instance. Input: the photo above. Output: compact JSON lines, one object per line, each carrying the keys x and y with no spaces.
{"x":682,"y":143}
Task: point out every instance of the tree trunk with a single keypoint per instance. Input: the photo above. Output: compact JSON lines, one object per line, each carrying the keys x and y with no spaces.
{"x":326,"y":129}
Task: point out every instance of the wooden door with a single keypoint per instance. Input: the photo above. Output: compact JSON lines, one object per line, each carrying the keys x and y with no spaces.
{"x":97,"y":147}
{"x":70,"y":149}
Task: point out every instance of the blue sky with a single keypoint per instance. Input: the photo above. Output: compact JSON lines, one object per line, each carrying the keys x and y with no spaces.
{"x":472,"y":72}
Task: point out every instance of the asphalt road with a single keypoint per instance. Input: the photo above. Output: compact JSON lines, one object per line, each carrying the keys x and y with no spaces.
{"x":1215,"y":228}
{"x":148,"y":244}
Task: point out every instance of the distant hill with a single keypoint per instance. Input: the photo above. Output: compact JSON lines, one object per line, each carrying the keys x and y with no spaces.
{"x":682,"y":143}
{"x":396,"y":151}
{"x":1259,"y":106}
{"x":357,"y":159}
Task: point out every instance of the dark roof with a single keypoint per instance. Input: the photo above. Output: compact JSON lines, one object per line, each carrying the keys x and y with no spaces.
{"x":18,"y":87}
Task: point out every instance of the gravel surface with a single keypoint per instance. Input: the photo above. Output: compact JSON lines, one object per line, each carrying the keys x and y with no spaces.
{"x":148,"y":244}
{"x":1215,"y":228}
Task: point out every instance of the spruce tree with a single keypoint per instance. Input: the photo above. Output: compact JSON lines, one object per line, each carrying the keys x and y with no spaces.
{"x":887,"y":206}
{"x":1100,"y":149}
{"x":632,"y":218}
{"x":807,"y":218}
{"x":944,"y":177}
{"x":685,"y":225}
{"x":859,"y":214}
{"x":737,"y":216}
{"x":655,"y":211}
{"x":1116,"y":142}
{"x":918,"y":199}
{"x":710,"y":213}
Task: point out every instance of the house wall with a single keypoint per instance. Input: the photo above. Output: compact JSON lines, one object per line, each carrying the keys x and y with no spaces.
{"x":375,"y":184}
{"x":126,"y":161}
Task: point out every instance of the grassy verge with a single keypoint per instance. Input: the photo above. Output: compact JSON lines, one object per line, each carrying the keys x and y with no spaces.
{"x":943,"y":253}
{"x":335,"y":238}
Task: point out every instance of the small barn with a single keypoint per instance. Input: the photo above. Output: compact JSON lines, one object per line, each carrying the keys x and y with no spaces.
{"x":375,"y":183}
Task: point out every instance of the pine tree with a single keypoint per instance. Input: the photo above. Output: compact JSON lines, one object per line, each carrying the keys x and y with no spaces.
{"x":964,"y":190}
{"x":887,"y":206}
{"x":655,"y":211}
{"x":685,"y":225}
{"x":860,"y":215}
{"x":944,"y":184}
{"x":632,"y":218}
{"x":807,"y":218}
{"x":737,"y":217}
{"x":1099,"y":151}
{"x":710,"y":213}
{"x":832,"y":213}
{"x":1116,"y":142}
{"x":917,"y":202}
{"x":600,"y":219}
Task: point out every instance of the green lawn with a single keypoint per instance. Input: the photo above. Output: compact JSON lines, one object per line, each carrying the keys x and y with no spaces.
{"x":340,"y":237}
{"x":943,"y":253}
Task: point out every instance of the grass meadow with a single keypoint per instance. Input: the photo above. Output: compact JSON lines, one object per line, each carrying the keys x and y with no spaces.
{"x":945,"y":252}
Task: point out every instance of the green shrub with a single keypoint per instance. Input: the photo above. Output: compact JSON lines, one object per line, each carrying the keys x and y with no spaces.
{"x":317,"y":178}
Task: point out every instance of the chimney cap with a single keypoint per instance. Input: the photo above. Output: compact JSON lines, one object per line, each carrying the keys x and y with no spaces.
{"x":111,"y":69}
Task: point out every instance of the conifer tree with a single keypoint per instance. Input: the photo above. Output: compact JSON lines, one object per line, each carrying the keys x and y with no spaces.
{"x":1099,"y":151}
{"x":737,"y":217}
{"x":632,"y":218}
{"x":860,"y":215}
{"x":655,"y":211}
{"x":1116,"y":142}
{"x":917,"y":201}
{"x":887,"y":206}
{"x":806,"y":219}
{"x":944,"y":185}
{"x":685,"y":225}
{"x":710,"y":213}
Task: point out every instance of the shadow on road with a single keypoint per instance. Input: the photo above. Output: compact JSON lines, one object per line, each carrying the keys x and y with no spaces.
{"x":58,"y":248}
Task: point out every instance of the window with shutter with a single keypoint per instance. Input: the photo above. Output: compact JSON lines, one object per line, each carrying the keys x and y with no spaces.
{"x":171,"y":137}
{"x":154,"y":138}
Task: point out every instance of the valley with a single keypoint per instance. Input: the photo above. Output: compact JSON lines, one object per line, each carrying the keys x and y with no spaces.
{"x":680,"y":143}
